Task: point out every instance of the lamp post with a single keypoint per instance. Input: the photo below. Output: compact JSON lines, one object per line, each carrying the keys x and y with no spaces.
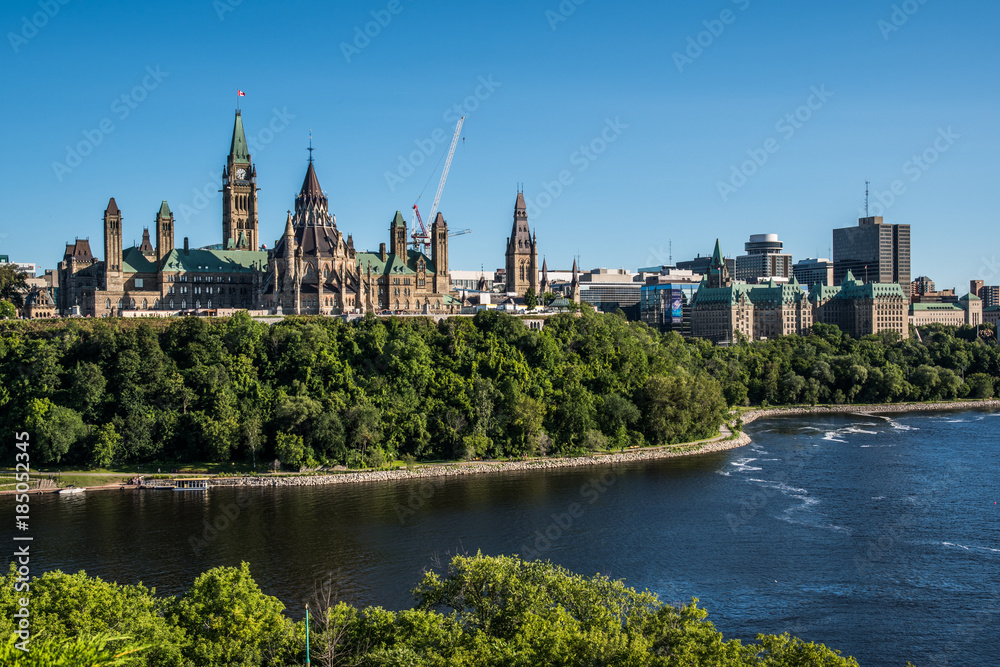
{"x":307,"y":636}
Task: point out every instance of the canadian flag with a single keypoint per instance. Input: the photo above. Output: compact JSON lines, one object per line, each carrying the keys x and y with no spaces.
{"x":240,"y":93}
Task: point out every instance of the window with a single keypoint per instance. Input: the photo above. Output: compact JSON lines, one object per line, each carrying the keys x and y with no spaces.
{"x":138,"y":282}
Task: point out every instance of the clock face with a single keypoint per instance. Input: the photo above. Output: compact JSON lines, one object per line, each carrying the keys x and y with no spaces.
{"x":241,"y":173}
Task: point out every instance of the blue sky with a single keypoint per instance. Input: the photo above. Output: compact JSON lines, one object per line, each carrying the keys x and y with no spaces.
{"x":873,"y":85}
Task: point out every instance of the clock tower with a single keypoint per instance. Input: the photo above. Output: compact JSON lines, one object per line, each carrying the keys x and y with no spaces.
{"x":239,"y":195}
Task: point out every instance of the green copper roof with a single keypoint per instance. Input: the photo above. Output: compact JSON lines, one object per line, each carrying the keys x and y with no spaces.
{"x":164,"y":209}
{"x":215,"y":261}
{"x":398,"y":220}
{"x":716,"y":255}
{"x":970,"y":297}
{"x":238,"y":149}
{"x":936,"y":307}
{"x":133,"y":261}
{"x":394,"y":265}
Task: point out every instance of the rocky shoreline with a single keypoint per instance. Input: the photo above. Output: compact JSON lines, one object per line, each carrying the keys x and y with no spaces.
{"x":722,"y":443}
{"x":753,"y":415}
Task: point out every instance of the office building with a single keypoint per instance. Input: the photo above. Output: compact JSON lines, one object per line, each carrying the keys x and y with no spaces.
{"x":873,"y":251}
{"x":812,"y":271}
{"x":860,"y":308}
{"x":763,"y":260}
{"x":666,"y":300}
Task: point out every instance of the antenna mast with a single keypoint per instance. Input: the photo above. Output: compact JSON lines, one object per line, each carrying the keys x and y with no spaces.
{"x":867,"y":187}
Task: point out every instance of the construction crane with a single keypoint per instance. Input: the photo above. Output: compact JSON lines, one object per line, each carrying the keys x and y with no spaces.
{"x":459,"y":232}
{"x":422,"y":237}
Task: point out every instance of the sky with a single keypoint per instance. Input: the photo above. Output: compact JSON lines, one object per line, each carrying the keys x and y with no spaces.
{"x":639,"y":131}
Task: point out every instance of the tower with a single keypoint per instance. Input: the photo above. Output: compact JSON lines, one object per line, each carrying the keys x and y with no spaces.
{"x":718,"y":271}
{"x":574,"y":286}
{"x":439,"y":254}
{"x":239,"y":194}
{"x":112,"y":247}
{"x":164,"y":232}
{"x":522,"y":254}
{"x":397,"y":236}
{"x":543,"y":287}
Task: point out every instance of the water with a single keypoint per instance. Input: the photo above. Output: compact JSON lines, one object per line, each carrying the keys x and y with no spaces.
{"x":878,"y":536}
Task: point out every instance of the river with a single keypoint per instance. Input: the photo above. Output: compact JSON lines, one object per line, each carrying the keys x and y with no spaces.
{"x":876,"y":535}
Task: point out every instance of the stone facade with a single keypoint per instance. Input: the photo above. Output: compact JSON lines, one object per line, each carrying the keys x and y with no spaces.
{"x":522,"y":253}
{"x":724,"y":311}
{"x":968,"y":310}
{"x":860,"y":309}
{"x":313,"y":269}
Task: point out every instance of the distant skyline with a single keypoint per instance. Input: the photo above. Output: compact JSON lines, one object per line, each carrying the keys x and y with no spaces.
{"x":630,"y":126}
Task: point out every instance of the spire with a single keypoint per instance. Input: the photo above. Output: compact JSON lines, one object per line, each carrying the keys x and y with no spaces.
{"x":717,"y":255}
{"x":439,"y":220}
{"x":545,"y":268}
{"x":238,"y":150}
{"x":288,"y":226}
{"x":519,"y":205}
{"x":398,"y":220}
{"x":310,"y":186}
{"x":576,"y":271}
{"x":164,"y":209}
{"x":112,"y":208}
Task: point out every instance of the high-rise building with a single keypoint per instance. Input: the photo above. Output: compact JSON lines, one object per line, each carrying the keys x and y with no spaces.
{"x":990,"y":294}
{"x":666,"y":300}
{"x":764,"y":260}
{"x":921,"y":285}
{"x":812,"y":271}
{"x":873,"y":251}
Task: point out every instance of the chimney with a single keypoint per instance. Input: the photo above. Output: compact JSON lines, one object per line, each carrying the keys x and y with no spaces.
{"x":185,"y":245}
{"x":381,"y":251}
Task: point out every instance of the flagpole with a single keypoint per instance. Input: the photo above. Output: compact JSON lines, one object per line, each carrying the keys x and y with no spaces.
{"x":237,"y":100}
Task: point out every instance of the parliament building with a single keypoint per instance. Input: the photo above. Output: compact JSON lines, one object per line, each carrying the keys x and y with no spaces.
{"x":311,"y":269}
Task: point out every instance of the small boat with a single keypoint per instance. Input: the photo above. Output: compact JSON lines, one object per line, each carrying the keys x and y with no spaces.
{"x":72,"y":489}
{"x":191,"y":484}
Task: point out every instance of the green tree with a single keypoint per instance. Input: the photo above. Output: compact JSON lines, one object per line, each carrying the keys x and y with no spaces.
{"x":12,"y":285}
{"x":232,"y":623}
{"x":107,"y":446}
{"x":530,"y":299}
{"x":290,"y":450}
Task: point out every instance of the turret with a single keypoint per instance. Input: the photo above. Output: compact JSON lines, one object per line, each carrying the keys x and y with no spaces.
{"x":164,"y":232}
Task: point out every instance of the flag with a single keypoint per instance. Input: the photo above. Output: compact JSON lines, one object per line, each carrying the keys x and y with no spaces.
{"x":240,"y":93}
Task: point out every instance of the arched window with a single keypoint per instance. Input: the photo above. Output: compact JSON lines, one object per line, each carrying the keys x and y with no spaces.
{"x":326,"y":271}
{"x":171,"y":304}
{"x":209,"y":303}
{"x":145,"y":305}
{"x":107,"y":304}
{"x":184,"y":304}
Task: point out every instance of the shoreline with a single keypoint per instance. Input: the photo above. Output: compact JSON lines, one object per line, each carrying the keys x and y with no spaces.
{"x":723,"y":442}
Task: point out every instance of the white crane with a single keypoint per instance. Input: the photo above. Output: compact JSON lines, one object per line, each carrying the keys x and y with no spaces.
{"x":422,"y":237}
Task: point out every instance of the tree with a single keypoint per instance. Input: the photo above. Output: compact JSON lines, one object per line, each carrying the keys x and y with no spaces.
{"x":291,"y":451}
{"x":107,"y":446}
{"x":232,"y":623}
{"x":13,"y":285}
{"x":7,"y":310}
{"x":530,"y":299}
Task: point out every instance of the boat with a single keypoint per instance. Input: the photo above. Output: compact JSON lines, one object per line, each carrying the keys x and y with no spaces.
{"x":191,"y":483}
{"x":72,"y":489}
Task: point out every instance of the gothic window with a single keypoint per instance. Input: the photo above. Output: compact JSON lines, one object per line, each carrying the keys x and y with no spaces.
{"x":184,"y":304}
{"x":209,"y":305}
{"x":145,"y":304}
{"x":107,"y":304}
{"x":326,"y":271}
{"x":119,"y":304}
{"x":522,"y":270}
{"x":171,"y":304}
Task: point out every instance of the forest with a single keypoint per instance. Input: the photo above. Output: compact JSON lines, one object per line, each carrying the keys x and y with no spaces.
{"x":311,"y":391}
{"x":475,"y":610}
